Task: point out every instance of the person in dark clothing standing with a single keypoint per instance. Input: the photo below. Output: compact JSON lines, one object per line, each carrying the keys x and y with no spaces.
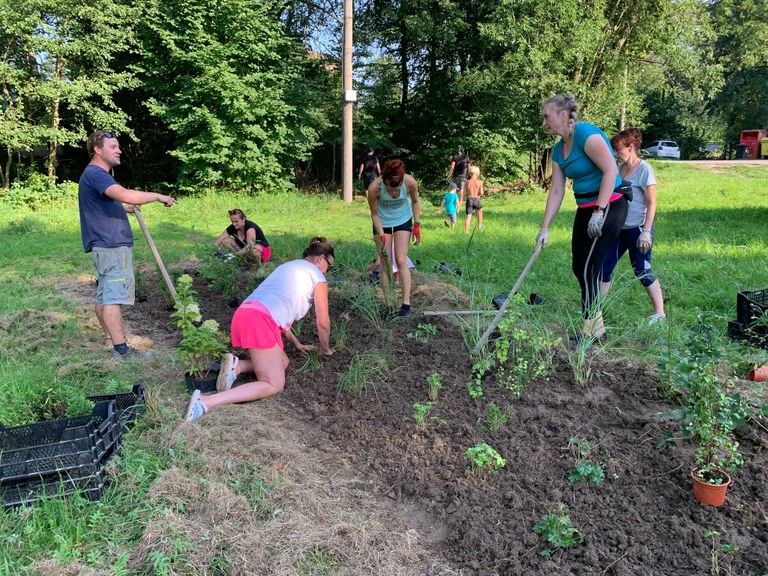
{"x":458,"y":170}
{"x":369,"y":168}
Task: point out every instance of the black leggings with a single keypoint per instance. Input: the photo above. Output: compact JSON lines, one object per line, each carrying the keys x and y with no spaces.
{"x":589,"y":254}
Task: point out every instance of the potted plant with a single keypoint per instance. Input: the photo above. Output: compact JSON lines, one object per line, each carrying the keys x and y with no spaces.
{"x":710,"y":414}
{"x":202,"y":342}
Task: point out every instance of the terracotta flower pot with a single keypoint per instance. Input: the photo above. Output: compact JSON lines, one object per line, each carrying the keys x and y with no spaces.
{"x":710,"y":494}
{"x":758,"y":373}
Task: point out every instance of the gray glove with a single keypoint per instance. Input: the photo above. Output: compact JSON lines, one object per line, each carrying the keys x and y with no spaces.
{"x":644,"y":241}
{"x":595,"y":226}
{"x":543,"y":237}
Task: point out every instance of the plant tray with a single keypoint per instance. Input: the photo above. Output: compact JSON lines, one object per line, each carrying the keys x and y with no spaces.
{"x":76,"y":445}
{"x":90,"y":486}
{"x":128,"y":404}
{"x":739,"y":331}
{"x":750,"y":306}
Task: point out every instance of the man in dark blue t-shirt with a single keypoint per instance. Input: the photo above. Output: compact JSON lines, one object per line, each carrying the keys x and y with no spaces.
{"x":107,"y":235}
{"x":458,"y":169}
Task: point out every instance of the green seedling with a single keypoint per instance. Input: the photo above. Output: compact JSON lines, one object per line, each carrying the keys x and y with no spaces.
{"x":364,"y":371}
{"x":522,"y":355}
{"x":557,"y":531}
{"x":718,"y":548}
{"x":475,"y":384}
{"x":484,"y":460}
{"x":423,"y":333}
{"x":420,"y":412}
{"x":585,"y":468}
{"x":495,"y":417}
{"x":434,"y":385}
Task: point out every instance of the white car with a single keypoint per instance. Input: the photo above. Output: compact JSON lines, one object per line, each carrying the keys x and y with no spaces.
{"x":664,"y":149}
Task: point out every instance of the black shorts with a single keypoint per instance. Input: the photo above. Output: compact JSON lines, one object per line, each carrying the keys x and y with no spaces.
{"x":406,"y":226}
{"x":473,"y":205}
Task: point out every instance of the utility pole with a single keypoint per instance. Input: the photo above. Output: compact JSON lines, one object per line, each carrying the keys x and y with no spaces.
{"x":348,"y":102}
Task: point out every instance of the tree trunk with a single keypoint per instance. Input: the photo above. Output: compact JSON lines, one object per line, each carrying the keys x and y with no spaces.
{"x":7,"y":168}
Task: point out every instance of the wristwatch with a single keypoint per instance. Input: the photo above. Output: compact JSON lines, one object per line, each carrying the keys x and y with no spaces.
{"x":600,"y":209}
{"x":417,"y":222}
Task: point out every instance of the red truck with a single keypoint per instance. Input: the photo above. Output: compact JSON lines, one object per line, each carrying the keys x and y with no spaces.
{"x":749,"y":143}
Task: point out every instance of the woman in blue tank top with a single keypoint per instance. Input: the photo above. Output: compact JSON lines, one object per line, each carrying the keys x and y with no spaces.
{"x":584,"y":155}
{"x":395,"y":211}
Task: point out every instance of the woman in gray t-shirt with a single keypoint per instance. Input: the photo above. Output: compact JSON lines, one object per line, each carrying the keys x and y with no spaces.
{"x":637,"y":235}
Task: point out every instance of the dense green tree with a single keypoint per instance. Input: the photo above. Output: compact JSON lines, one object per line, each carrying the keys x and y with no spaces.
{"x":221,"y":75}
{"x":57,"y":72}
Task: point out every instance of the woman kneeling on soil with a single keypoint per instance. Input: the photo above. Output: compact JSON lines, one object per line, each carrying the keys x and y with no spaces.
{"x":244,"y":237}
{"x":260,"y":322}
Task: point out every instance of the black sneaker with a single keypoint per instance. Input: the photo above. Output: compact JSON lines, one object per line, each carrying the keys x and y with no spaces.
{"x":133,"y":353}
{"x":404,"y":312}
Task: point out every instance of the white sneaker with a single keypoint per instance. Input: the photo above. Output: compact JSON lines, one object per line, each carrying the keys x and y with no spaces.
{"x":197,"y":408}
{"x":227,"y":374}
{"x":653,"y":318}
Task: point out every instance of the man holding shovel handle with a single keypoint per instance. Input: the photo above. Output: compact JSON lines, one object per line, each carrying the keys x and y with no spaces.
{"x":106,"y":233}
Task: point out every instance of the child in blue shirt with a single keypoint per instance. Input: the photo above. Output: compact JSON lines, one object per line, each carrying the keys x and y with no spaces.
{"x":451,"y":205}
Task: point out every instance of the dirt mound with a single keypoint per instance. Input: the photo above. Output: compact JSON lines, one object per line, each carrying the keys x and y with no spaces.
{"x":641,"y":519}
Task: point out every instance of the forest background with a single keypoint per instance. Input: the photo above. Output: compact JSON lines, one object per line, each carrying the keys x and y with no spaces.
{"x":246,"y":94}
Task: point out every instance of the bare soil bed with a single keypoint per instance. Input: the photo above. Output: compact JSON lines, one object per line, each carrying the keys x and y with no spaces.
{"x":642,"y":519}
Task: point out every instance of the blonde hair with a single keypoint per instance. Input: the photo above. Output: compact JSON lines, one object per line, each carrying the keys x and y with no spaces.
{"x":474,"y":171}
{"x":564,"y":102}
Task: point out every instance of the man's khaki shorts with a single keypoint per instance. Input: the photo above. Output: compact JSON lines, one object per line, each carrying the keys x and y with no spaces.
{"x":116,"y":284}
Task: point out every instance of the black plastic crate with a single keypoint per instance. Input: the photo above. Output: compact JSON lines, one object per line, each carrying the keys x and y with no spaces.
{"x":54,"y":446}
{"x":751,"y":305}
{"x":129,"y":404}
{"x":739,"y":331}
{"x":90,"y":486}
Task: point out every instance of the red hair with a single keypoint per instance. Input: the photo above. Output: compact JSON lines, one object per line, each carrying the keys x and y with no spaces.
{"x":393,"y":172}
{"x":627,"y":137}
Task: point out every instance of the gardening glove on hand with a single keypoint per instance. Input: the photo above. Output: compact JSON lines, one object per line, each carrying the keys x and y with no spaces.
{"x":543,"y":237}
{"x":644,"y":241}
{"x":595,"y":226}
{"x":417,"y":233}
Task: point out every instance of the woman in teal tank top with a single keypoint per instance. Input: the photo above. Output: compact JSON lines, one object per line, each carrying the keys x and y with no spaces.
{"x":395,"y":211}
{"x":584,"y":155}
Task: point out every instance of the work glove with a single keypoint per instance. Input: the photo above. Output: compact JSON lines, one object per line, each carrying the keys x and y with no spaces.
{"x":595,"y":226}
{"x":417,"y":234}
{"x":543,"y":237}
{"x":383,"y":239}
{"x":644,"y":241}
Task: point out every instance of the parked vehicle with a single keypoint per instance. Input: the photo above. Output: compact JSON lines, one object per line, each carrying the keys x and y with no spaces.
{"x":750,"y":143}
{"x":664,"y":149}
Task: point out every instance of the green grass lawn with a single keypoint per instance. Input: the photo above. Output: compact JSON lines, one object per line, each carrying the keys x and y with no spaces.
{"x":711,"y":241}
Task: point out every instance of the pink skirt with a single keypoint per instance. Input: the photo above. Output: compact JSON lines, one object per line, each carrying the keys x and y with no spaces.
{"x":253,"y":327}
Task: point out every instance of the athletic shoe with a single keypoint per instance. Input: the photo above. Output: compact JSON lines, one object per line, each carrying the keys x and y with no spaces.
{"x":197,"y":408}
{"x":133,"y":353}
{"x":227,"y":375}
{"x":653,"y":318}
{"x":404,"y":313}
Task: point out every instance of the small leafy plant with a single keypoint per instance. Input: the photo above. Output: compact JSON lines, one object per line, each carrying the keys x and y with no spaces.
{"x":475,"y":384}
{"x":495,"y":417}
{"x":585,"y":468}
{"x":423,"y":333}
{"x":484,"y":460}
{"x":729,"y":550}
{"x":710,"y":413}
{"x":202,"y":342}
{"x":557,"y":531}
{"x":434,"y":385}
{"x":420,"y":412}
{"x":523,"y":355}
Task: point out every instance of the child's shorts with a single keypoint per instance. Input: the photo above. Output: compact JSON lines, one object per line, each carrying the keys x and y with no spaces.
{"x":451,"y":218}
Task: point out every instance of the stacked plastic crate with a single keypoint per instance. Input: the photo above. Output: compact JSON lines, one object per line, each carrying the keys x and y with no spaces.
{"x":60,"y":457}
{"x":751,"y":322}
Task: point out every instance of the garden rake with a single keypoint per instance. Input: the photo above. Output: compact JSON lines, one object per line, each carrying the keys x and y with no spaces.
{"x":155,"y":253}
{"x":484,"y":338}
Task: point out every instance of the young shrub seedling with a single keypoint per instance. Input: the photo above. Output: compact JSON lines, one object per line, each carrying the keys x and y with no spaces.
{"x":730,"y":550}
{"x":495,"y":417}
{"x":484,"y":460}
{"x":557,"y":531}
{"x":523,"y":355}
{"x":585,"y":468}
{"x":420,"y":412}
{"x":434,"y":385}
{"x":475,"y":384}
{"x":423,"y":333}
